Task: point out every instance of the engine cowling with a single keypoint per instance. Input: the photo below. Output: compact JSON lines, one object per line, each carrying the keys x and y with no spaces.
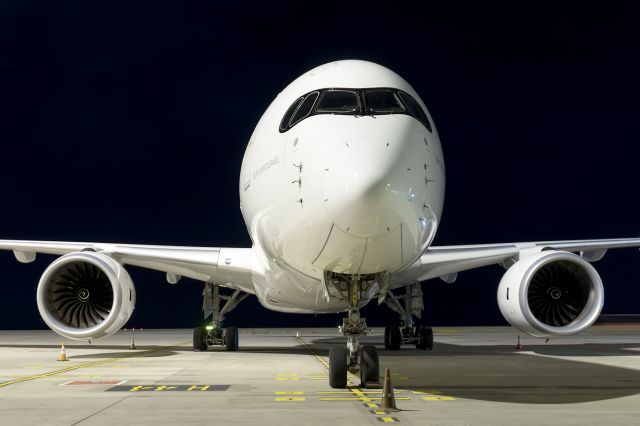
{"x":85,"y":295}
{"x":551,"y":293}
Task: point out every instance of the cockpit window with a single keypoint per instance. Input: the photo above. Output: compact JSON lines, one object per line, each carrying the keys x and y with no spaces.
{"x":284,"y":124}
{"x":415,"y":109}
{"x":382,"y":101}
{"x":305,"y":108}
{"x":338,"y":102}
{"x":356,"y":102}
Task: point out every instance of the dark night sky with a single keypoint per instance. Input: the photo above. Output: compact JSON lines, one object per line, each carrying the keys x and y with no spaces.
{"x":127,"y":122}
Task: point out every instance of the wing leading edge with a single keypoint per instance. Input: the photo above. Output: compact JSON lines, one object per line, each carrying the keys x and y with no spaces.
{"x":230,"y":267}
{"x":446,"y":261}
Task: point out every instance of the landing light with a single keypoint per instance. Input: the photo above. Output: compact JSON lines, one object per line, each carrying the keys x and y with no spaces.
{"x":209,"y":327}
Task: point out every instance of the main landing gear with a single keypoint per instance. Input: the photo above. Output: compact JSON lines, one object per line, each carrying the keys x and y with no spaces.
{"x":353,"y":358}
{"x":214,"y":334}
{"x":407,"y":333}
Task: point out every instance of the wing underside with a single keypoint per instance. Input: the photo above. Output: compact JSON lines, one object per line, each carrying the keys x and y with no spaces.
{"x":446,"y":261}
{"x":230,"y":267}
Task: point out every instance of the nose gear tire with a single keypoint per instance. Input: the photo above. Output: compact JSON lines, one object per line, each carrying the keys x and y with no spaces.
{"x":369,"y":366}
{"x":338,"y":367}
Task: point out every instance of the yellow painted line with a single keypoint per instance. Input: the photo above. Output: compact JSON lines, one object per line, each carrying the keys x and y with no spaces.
{"x":356,"y":398}
{"x":438,"y":398}
{"x":89,"y":364}
{"x":371,"y":405}
{"x":361,"y":394}
{"x":292,"y":398}
{"x":338,"y":398}
{"x":353,"y":392}
{"x":386,"y":419}
{"x":290,"y":393}
{"x":336,"y":393}
{"x":318,"y":357}
{"x":287,"y":378}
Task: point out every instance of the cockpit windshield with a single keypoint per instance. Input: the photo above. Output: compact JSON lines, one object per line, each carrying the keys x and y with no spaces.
{"x":356,"y":102}
{"x":337,"y":101}
{"x":382,"y":101}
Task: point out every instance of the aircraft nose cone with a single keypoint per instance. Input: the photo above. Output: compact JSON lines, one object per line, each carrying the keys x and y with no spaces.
{"x":364,"y":187}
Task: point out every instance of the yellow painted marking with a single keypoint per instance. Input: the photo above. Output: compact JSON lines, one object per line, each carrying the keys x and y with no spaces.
{"x":291,"y":398}
{"x":164,"y":388}
{"x":386,"y":419}
{"x":140,"y":388}
{"x":318,"y":357}
{"x":371,"y":405}
{"x":361,"y":394}
{"x":290,"y":393}
{"x":379,"y":413}
{"x":200,"y":388}
{"x":336,"y":393}
{"x":89,"y":364}
{"x":353,"y":392}
{"x":438,"y":398}
{"x":356,"y":398}
{"x":341,"y":398}
{"x":287,"y":376}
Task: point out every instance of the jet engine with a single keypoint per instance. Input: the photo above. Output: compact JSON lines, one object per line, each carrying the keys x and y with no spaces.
{"x":85,"y":295}
{"x":551,"y":293}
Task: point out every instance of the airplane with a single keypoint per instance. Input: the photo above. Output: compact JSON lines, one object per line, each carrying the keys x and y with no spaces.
{"x":341,"y":189}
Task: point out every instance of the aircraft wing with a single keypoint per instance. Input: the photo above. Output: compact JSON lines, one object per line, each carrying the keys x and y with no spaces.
{"x":446,"y":261}
{"x":229,"y":267}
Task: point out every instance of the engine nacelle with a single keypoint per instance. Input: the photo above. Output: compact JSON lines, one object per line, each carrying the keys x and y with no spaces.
{"x":86,"y":295}
{"x":551,"y":293}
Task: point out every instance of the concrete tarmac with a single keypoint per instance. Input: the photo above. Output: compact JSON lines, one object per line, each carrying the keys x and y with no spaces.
{"x":474,"y":376}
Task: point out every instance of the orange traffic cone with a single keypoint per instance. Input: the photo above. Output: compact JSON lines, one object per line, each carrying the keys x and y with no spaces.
{"x":519,"y":346}
{"x":388,"y":398}
{"x":63,"y":354}
{"x":133,"y":343}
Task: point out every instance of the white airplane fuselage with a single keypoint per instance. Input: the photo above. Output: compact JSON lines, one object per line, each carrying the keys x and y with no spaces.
{"x":350,"y":194}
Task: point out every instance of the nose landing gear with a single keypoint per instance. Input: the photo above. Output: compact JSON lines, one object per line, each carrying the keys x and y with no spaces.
{"x":353,"y":358}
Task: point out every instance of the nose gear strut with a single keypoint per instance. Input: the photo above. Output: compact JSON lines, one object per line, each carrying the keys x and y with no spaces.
{"x":353,"y":358}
